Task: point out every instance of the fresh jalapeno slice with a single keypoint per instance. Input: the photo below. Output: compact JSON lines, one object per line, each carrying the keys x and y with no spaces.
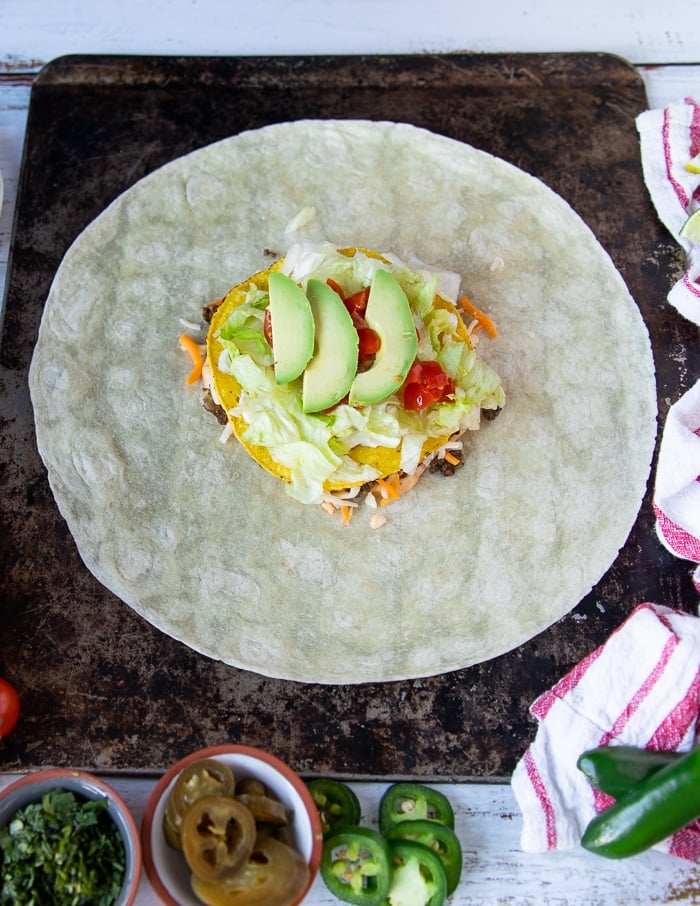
{"x":616,"y":769}
{"x":439,"y":838}
{"x":652,"y":810}
{"x":418,"y":877}
{"x":356,"y":866}
{"x":337,"y":804}
{"x":218,"y":835}
{"x":203,"y":777}
{"x":413,"y":801}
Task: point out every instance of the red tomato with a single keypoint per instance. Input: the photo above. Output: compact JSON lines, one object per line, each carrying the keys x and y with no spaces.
{"x":356,"y":304}
{"x":369,"y":342}
{"x":9,"y":707}
{"x":415,"y":373}
{"x":334,"y":286}
{"x":435,"y":378}
{"x":426,"y":383}
{"x":417,"y":397}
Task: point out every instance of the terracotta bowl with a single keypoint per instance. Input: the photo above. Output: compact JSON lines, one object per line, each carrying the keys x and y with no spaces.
{"x":31,"y":787}
{"x":166,"y":867}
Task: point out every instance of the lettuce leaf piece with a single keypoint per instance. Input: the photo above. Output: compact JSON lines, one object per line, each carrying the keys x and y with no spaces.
{"x":372,"y":426}
{"x":244,"y":332}
{"x":255,"y":380}
{"x":439,"y":328}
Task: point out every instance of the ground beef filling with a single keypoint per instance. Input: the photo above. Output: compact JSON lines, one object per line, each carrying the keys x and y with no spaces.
{"x":441,"y":466}
{"x":215,"y":409}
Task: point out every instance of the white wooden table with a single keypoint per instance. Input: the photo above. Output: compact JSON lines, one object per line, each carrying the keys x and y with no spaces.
{"x":665,"y":47}
{"x":495,"y":870}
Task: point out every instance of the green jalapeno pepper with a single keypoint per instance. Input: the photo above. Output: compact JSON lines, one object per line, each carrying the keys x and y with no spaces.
{"x":413,"y":801}
{"x":439,"y":838}
{"x":655,"y":808}
{"x":337,"y":804}
{"x":356,"y":866}
{"x":616,"y":769}
{"x":418,"y":876}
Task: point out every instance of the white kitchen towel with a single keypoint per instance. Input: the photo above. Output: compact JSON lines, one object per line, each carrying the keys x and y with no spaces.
{"x":640,"y":688}
{"x":669,"y":139}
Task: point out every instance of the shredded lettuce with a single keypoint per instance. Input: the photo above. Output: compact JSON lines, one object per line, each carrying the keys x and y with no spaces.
{"x":371,"y":426}
{"x":243,"y":332}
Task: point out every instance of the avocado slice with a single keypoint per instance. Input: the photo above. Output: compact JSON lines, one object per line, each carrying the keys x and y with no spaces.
{"x":333,"y":366}
{"x":389,"y":315}
{"x":293,"y":327}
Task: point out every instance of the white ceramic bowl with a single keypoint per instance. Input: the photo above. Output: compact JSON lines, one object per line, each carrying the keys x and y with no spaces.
{"x":166,"y":867}
{"x":31,"y":787}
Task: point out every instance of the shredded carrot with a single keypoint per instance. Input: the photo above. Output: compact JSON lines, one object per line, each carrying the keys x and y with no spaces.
{"x":188,"y":344}
{"x":481,"y":317}
{"x":390,"y":488}
{"x":453,"y":461}
{"x":346,"y":512}
{"x":381,"y":483}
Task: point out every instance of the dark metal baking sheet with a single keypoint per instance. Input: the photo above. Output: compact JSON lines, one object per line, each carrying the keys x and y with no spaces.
{"x":103,"y":689}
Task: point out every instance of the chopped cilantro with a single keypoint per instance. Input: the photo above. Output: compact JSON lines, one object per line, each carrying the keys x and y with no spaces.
{"x":62,"y":851}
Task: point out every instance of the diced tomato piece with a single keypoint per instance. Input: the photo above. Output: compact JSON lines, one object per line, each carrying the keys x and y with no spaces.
{"x":415,"y":373}
{"x":426,"y":383}
{"x":416,"y":396}
{"x":369,"y":342}
{"x":356,"y":304}
{"x":435,"y":378}
{"x":335,"y":287}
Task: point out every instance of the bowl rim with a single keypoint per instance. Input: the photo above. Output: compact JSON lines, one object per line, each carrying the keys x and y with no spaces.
{"x":212,"y":752}
{"x":86,"y":780}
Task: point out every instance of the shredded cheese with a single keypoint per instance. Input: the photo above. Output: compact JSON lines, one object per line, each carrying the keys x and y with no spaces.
{"x":300,"y":220}
{"x":226,"y":433}
{"x":189,"y":325}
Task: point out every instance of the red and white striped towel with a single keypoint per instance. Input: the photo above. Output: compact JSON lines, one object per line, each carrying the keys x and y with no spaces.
{"x":669,"y":139}
{"x":677,"y":482}
{"x":640,"y":688}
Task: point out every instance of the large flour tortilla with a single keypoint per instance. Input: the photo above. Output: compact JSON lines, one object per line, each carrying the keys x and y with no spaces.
{"x":205,"y":544}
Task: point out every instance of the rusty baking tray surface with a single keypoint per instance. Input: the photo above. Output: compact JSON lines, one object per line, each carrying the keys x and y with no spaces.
{"x":102,"y":688}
